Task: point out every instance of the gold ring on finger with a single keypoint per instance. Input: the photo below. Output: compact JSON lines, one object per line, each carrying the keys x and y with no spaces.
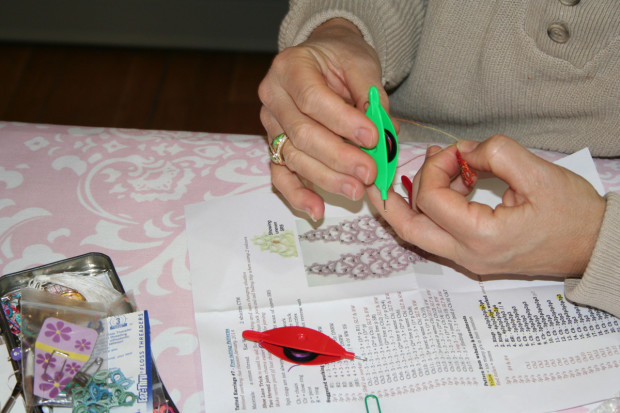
{"x":275,"y":149}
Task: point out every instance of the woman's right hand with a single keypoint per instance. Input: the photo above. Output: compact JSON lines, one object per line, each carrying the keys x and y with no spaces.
{"x":317,"y":93}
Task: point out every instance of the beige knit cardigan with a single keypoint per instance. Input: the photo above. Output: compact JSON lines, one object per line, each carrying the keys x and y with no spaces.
{"x":544,"y":72}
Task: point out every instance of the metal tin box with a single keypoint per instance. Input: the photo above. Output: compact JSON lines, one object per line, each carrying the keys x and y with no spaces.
{"x":85,"y":264}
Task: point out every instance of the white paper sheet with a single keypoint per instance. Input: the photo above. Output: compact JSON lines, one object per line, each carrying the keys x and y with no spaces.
{"x":432,"y":337}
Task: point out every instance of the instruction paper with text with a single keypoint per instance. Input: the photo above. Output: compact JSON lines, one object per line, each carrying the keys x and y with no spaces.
{"x":432,"y":336}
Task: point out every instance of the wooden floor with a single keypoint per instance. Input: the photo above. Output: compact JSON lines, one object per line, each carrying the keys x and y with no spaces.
{"x":145,"y":89}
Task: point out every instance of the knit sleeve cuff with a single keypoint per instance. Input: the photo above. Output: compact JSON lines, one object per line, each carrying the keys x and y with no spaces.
{"x":600,"y":285}
{"x":391,"y":28}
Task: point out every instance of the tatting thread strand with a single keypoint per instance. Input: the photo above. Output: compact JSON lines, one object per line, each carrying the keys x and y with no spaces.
{"x":467,"y":174}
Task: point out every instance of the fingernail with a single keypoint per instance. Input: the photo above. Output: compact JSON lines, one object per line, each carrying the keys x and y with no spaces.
{"x":348,"y":190}
{"x":310,"y":214}
{"x":362,"y":173}
{"x":364,"y":136}
{"x":466,"y":146}
{"x":431,"y":150}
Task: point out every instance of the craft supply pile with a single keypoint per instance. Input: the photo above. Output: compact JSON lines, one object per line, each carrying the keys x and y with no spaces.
{"x":77,"y":341}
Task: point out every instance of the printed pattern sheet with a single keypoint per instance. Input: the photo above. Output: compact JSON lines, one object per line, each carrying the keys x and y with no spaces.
{"x":426,"y":334}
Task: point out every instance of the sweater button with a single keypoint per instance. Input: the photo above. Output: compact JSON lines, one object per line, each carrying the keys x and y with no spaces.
{"x":570,"y":2}
{"x":558,"y":32}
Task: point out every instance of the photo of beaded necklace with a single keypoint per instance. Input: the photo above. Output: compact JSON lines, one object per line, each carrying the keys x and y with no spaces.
{"x":380,"y":252}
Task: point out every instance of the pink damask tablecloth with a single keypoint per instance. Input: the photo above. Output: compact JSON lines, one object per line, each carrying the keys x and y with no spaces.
{"x":66,"y":191}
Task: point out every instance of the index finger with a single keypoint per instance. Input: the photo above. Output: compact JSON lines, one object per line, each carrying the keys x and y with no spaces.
{"x":412,"y":226}
{"x":313,"y":97}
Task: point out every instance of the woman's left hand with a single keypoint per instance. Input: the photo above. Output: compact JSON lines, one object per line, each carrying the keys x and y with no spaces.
{"x":547,"y":223}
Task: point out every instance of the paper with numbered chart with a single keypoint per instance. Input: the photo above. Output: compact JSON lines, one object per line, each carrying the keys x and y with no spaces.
{"x":432,"y":336}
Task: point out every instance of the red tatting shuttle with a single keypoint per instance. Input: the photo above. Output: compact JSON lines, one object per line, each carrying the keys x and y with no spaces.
{"x":299,"y":345}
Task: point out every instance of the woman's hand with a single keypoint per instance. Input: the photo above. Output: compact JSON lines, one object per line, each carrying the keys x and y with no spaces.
{"x":316,"y":94}
{"x":547,"y":223}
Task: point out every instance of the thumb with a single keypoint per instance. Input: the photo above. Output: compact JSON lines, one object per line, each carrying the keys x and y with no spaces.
{"x":506,"y":159}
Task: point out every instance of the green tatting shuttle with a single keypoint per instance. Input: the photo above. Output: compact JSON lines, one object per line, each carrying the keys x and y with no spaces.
{"x":385,"y":153}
